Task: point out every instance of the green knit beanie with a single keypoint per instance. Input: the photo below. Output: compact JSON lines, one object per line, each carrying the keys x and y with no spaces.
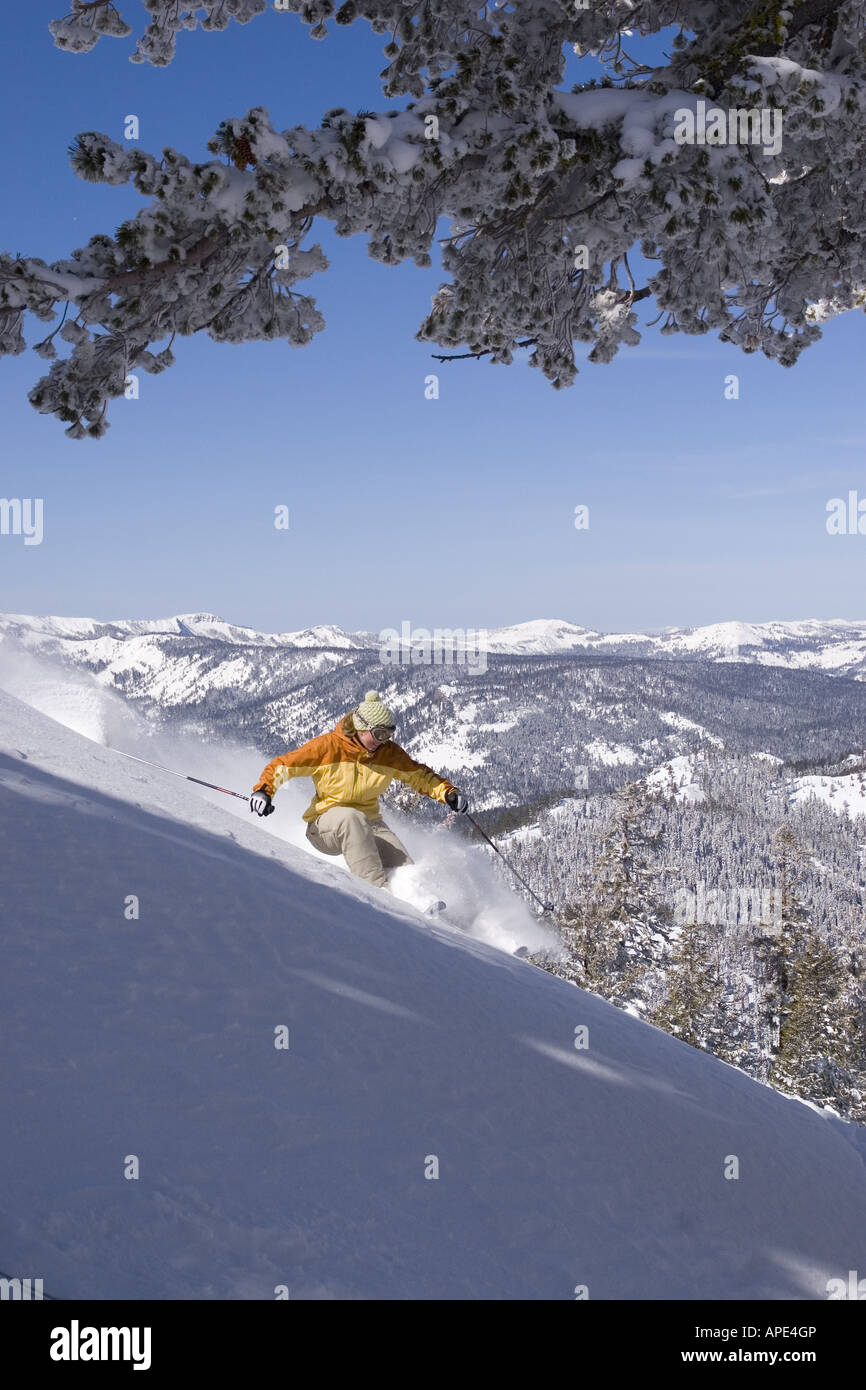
{"x":372,"y":714}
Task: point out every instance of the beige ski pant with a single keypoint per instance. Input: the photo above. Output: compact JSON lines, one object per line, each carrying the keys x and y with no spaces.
{"x":367,"y":844}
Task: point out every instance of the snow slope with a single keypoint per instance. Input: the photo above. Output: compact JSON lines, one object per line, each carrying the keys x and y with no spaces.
{"x":676,"y":778}
{"x":260,"y":1167}
{"x":845,"y":793}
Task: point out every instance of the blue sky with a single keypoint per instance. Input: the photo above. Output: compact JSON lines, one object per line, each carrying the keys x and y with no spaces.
{"x":450,"y":512}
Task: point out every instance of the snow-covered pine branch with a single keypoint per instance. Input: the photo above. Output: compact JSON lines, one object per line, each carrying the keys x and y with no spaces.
{"x":546,"y":191}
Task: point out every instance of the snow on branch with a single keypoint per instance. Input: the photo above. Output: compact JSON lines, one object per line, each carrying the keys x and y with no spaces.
{"x":734,"y":169}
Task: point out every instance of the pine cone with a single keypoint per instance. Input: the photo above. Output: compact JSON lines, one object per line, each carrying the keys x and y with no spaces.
{"x":243,"y":154}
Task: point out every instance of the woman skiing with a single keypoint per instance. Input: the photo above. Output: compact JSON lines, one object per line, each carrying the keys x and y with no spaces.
{"x":351,"y":766}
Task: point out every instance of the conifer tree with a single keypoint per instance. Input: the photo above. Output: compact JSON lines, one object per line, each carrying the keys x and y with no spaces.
{"x":617,"y":929}
{"x":820,"y":1051}
{"x":545,"y":187}
{"x":626,"y":907}
{"x":779,"y":949}
{"x":586,"y":962}
{"x":694,"y":1004}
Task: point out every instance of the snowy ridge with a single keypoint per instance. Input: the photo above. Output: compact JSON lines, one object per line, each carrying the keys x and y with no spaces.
{"x":540,"y":637}
{"x":36,"y":631}
{"x":837,"y":646}
{"x":411,"y":1050}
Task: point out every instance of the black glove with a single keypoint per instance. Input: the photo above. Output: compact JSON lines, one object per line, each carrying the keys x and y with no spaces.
{"x":261,"y":803}
{"x":457,"y":801}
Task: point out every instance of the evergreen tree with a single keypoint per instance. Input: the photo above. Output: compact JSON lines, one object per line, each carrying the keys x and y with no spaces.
{"x":628,"y":914}
{"x":785,"y":943}
{"x":694,"y":1006}
{"x":586,"y":962}
{"x":546,"y":188}
{"x":820,"y":1051}
{"x":617,"y":929}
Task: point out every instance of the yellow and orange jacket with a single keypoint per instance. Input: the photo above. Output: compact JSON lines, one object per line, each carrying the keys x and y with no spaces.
{"x":346,"y":774}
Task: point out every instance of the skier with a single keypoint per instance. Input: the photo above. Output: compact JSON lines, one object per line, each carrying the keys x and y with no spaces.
{"x":351,"y":766}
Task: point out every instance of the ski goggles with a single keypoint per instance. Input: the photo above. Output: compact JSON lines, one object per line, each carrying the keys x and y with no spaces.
{"x":383,"y":734}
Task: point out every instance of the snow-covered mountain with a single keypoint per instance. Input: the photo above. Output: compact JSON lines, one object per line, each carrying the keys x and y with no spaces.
{"x":544,"y":636}
{"x":49,"y":633}
{"x":836,"y":646}
{"x":328,"y":1095}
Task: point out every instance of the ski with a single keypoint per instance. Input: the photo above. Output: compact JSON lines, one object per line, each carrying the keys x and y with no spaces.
{"x":436,"y":909}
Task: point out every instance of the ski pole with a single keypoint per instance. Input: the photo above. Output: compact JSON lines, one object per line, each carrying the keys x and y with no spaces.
{"x":548,"y":907}
{"x":213,"y":786}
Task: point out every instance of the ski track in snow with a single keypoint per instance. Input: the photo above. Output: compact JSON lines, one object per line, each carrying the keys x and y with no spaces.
{"x":155,"y":1037}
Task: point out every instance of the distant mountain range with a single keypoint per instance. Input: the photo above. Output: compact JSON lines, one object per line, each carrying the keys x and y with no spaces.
{"x":835,"y":646}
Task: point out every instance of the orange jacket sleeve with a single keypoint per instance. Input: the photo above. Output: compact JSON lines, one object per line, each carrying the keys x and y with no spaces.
{"x":301,"y":762}
{"x":418,"y":776}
